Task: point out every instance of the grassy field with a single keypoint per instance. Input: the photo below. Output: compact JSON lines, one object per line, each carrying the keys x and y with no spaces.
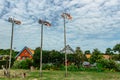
{"x":59,"y":75}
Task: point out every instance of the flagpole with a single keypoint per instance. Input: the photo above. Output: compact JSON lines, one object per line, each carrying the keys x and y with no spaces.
{"x":41,"y":50}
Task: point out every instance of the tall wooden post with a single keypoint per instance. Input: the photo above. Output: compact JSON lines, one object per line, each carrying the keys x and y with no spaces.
{"x":47,"y":24}
{"x":65,"y":48}
{"x":41,"y":50}
{"x":13,"y":21}
{"x":65,"y":16}
{"x":11,"y":45}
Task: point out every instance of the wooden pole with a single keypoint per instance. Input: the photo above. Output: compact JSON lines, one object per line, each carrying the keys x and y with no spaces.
{"x":11,"y":44}
{"x":41,"y":50}
{"x":65,"y":48}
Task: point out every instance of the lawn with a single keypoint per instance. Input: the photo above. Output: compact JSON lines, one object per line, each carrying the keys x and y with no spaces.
{"x":59,"y":75}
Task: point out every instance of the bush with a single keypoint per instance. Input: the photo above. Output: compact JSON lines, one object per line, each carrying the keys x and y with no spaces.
{"x":23,"y":64}
{"x":62,"y":67}
{"x":48,"y":66}
{"x":100,"y":67}
{"x":82,"y":69}
{"x":103,"y":64}
{"x":4,"y":63}
{"x":72,"y":67}
{"x":118,"y":67}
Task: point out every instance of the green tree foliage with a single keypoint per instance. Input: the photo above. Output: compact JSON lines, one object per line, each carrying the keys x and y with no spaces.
{"x":78,"y":57}
{"x":36,"y":57}
{"x":7,"y":52}
{"x":53,"y":57}
{"x":45,"y":57}
{"x":5,"y":56}
{"x":4,"y":63}
{"x":71,"y":58}
{"x":96,"y":55}
{"x":116,"y":57}
{"x":107,"y":64}
{"x":109,"y":51}
{"x":23,"y":64}
{"x":85,"y":58}
{"x":117,"y":48}
{"x":56,"y":58}
{"x":87,"y":52}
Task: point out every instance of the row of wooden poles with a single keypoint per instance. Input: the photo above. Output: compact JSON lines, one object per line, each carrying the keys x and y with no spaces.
{"x":42,"y":22}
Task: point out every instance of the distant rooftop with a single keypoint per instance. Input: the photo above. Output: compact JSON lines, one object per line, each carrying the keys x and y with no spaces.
{"x":69,"y":50}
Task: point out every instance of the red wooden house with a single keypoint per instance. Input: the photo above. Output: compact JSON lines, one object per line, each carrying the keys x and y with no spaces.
{"x":25,"y":53}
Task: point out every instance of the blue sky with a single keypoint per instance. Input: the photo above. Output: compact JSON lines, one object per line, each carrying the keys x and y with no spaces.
{"x":95,"y":23}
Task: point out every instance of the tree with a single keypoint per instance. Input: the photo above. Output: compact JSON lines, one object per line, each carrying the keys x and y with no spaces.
{"x":87,"y":52}
{"x":53,"y":57}
{"x":116,"y":57}
{"x":109,"y":51}
{"x":36,"y":57}
{"x":78,"y":57}
{"x":117,"y":48}
{"x":7,"y":52}
{"x":71,"y":58}
{"x":56,"y":58}
{"x":96,"y":55}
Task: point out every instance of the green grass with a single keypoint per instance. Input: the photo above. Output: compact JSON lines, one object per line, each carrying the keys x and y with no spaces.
{"x":60,"y":75}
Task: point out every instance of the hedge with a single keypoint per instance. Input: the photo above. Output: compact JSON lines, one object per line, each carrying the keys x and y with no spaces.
{"x":4,"y":63}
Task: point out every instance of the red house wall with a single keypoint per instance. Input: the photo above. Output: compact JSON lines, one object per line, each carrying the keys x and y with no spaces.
{"x":24,"y":54}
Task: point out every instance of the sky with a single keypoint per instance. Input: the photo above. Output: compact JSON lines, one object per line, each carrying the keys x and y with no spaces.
{"x":94,"y":24}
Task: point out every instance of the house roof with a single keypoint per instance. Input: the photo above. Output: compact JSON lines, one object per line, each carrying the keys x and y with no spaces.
{"x":69,"y":50}
{"x":32,"y":51}
{"x":104,"y":55}
{"x":28,"y":49}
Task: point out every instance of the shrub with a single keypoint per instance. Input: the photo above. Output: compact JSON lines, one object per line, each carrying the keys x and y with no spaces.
{"x":100,"y":67}
{"x":23,"y":64}
{"x":103,"y":64}
{"x":72,"y":67}
{"x":47,"y":66}
{"x":4,"y":63}
{"x":62,"y":67}
{"x":16,"y":65}
{"x":118,"y":68}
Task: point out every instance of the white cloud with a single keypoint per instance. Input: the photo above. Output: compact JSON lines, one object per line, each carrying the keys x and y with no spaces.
{"x":94,"y":25}
{"x":112,"y":3}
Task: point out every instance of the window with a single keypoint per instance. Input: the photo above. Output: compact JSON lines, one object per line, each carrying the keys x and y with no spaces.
{"x":25,"y":52}
{"x":23,"y":58}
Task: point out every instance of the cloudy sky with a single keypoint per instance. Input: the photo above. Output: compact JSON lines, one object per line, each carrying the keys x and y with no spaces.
{"x":95,"y":23}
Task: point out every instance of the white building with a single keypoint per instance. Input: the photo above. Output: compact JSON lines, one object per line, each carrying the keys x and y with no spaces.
{"x":69,"y":50}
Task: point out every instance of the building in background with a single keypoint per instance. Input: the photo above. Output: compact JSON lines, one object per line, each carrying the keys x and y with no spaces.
{"x":69,"y":50}
{"x":25,"y":53}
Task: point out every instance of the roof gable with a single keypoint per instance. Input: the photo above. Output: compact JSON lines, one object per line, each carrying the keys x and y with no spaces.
{"x":32,"y":51}
{"x":27,"y":49}
{"x":69,"y":50}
